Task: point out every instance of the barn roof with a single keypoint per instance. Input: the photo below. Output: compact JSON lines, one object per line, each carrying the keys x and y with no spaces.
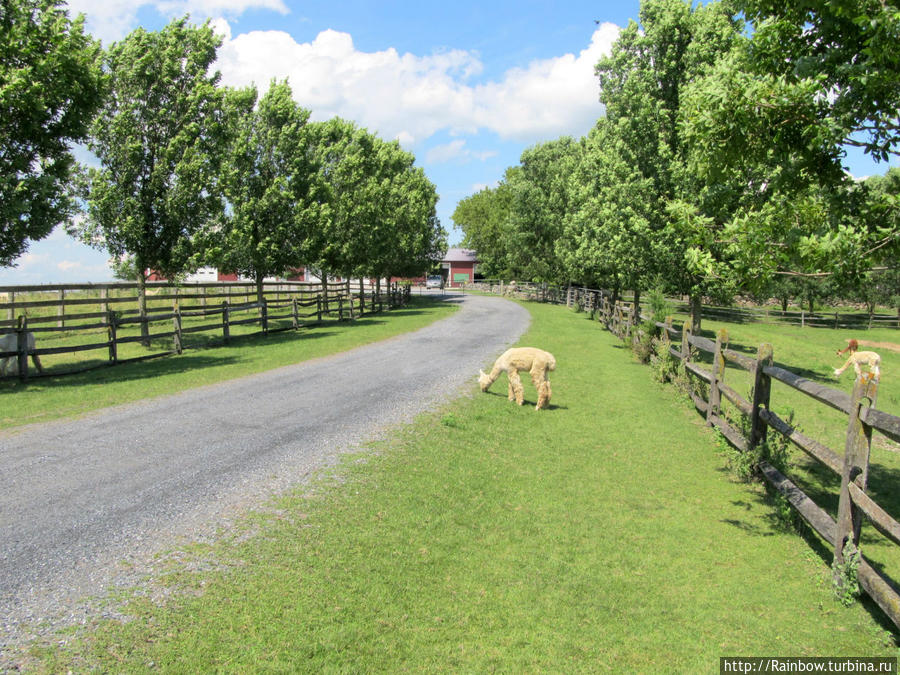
{"x":460,"y":255}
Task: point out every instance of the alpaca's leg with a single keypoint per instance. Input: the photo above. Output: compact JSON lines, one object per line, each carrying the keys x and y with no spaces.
{"x":511,"y":393}
{"x":515,"y":384}
{"x":544,"y":394}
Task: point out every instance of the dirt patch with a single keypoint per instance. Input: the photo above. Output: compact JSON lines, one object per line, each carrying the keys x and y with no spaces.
{"x":878,"y":345}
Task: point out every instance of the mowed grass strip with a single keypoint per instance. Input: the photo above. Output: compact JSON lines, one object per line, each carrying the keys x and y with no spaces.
{"x":45,"y":399}
{"x":600,"y":535}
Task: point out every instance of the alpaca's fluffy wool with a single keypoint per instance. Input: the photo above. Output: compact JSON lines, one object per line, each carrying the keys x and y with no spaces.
{"x":536,"y":361}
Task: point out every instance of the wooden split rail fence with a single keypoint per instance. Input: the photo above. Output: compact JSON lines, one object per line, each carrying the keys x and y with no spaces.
{"x":285,"y":306}
{"x":852,"y":465}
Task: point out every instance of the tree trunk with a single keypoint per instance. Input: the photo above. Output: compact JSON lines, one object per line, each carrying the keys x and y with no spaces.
{"x":696,"y":308}
{"x":259,"y":289}
{"x":784,"y":304}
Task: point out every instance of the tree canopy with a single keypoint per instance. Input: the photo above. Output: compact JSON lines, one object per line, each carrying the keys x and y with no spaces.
{"x":159,"y":137}
{"x":50,"y":86}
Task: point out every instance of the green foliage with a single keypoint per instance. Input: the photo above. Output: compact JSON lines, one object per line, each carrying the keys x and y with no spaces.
{"x":379,"y":215}
{"x":484,"y":218}
{"x":270,"y":186}
{"x":845,"y":575}
{"x":160,"y":138}
{"x":51,"y":84}
{"x":660,"y":307}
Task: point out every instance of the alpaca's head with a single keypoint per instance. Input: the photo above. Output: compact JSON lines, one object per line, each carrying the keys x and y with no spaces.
{"x":484,"y":380}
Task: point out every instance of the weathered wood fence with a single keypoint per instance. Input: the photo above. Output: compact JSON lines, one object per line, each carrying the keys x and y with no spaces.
{"x":852,"y":464}
{"x":174,"y":312}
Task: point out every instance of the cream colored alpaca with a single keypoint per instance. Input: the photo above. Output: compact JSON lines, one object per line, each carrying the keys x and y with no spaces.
{"x":536,"y":361}
{"x":857,"y":359}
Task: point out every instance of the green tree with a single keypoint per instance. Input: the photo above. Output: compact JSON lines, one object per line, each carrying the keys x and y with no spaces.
{"x":159,"y":137}
{"x":378,"y":216}
{"x":843,"y":58}
{"x":642,"y":84}
{"x":769,"y":125}
{"x":270,"y":182}
{"x":540,"y":197}
{"x":484,"y":219}
{"x":51,"y":84}
{"x":606,"y":229}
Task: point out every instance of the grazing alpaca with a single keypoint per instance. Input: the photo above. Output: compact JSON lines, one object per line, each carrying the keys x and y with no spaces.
{"x":10,"y":343}
{"x":536,"y":361}
{"x":870,"y":359}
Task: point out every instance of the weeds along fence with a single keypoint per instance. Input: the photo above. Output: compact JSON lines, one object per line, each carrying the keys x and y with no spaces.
{"x":72,"y":323}
{"x":703,"y":362}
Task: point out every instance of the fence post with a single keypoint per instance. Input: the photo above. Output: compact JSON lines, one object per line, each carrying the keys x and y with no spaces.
{"x":112,"y":327}
{"x":61,"y":309}
{"x":295,"y":316}
{"x":718,"y":376}
{"x":11,"y":312}
{"x":319,"y":308}
{"x":856,"y":467}
{"x":226,"y":319}
{"x":340,"y":308}
{"x":22,"y":347}
{"x":762,"y":389}
{"x":686,"y":341}
{"x":176,"y":319}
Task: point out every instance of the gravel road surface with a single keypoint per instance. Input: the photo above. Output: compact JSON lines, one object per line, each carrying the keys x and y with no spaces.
{"x":86,"y":505}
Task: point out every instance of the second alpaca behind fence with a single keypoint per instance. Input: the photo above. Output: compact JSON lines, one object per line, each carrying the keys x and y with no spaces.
{"x":536,"y":361}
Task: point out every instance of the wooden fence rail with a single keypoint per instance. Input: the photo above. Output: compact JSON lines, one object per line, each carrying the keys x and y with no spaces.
{"x":852,"y":465}
{"x":588,"y":299}
{"x":296,"y":305}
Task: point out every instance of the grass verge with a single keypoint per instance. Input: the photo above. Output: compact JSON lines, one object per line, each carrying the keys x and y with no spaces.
{"x":45,"y":399}
{"x":599,"y":535}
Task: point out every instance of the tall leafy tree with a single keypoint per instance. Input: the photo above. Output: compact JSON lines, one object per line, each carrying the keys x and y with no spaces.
{"x":642,"y":83}
{"x":405,"y":237}
{"x":51,"y":84}
{"x":269,"y":179}
{"x":159,"y":138}
{"x":540,"y":197}
{"x":772,"y":120}
{"x":484,"y":219}
{"x":607,"y":228}
{"x":378,"y":215}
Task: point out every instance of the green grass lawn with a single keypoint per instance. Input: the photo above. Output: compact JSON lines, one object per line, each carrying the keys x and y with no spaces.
{"x":43,"y":399}
{"x":602,"y":534}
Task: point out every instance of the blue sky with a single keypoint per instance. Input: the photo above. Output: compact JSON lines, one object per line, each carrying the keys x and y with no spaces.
{"x":466,"y":86}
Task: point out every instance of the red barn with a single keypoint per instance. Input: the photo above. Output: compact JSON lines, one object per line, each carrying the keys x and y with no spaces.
{"x":458,"y":266}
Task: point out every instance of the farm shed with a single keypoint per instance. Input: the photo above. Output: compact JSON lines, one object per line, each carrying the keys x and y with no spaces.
{"x":458,"y":266}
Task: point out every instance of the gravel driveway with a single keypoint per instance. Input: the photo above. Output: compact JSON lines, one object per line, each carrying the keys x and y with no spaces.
{"x":85,"y":505}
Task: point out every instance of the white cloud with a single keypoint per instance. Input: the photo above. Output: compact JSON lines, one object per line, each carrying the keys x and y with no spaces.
{"x":455,"y":150}
{"x":412,"y":97}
